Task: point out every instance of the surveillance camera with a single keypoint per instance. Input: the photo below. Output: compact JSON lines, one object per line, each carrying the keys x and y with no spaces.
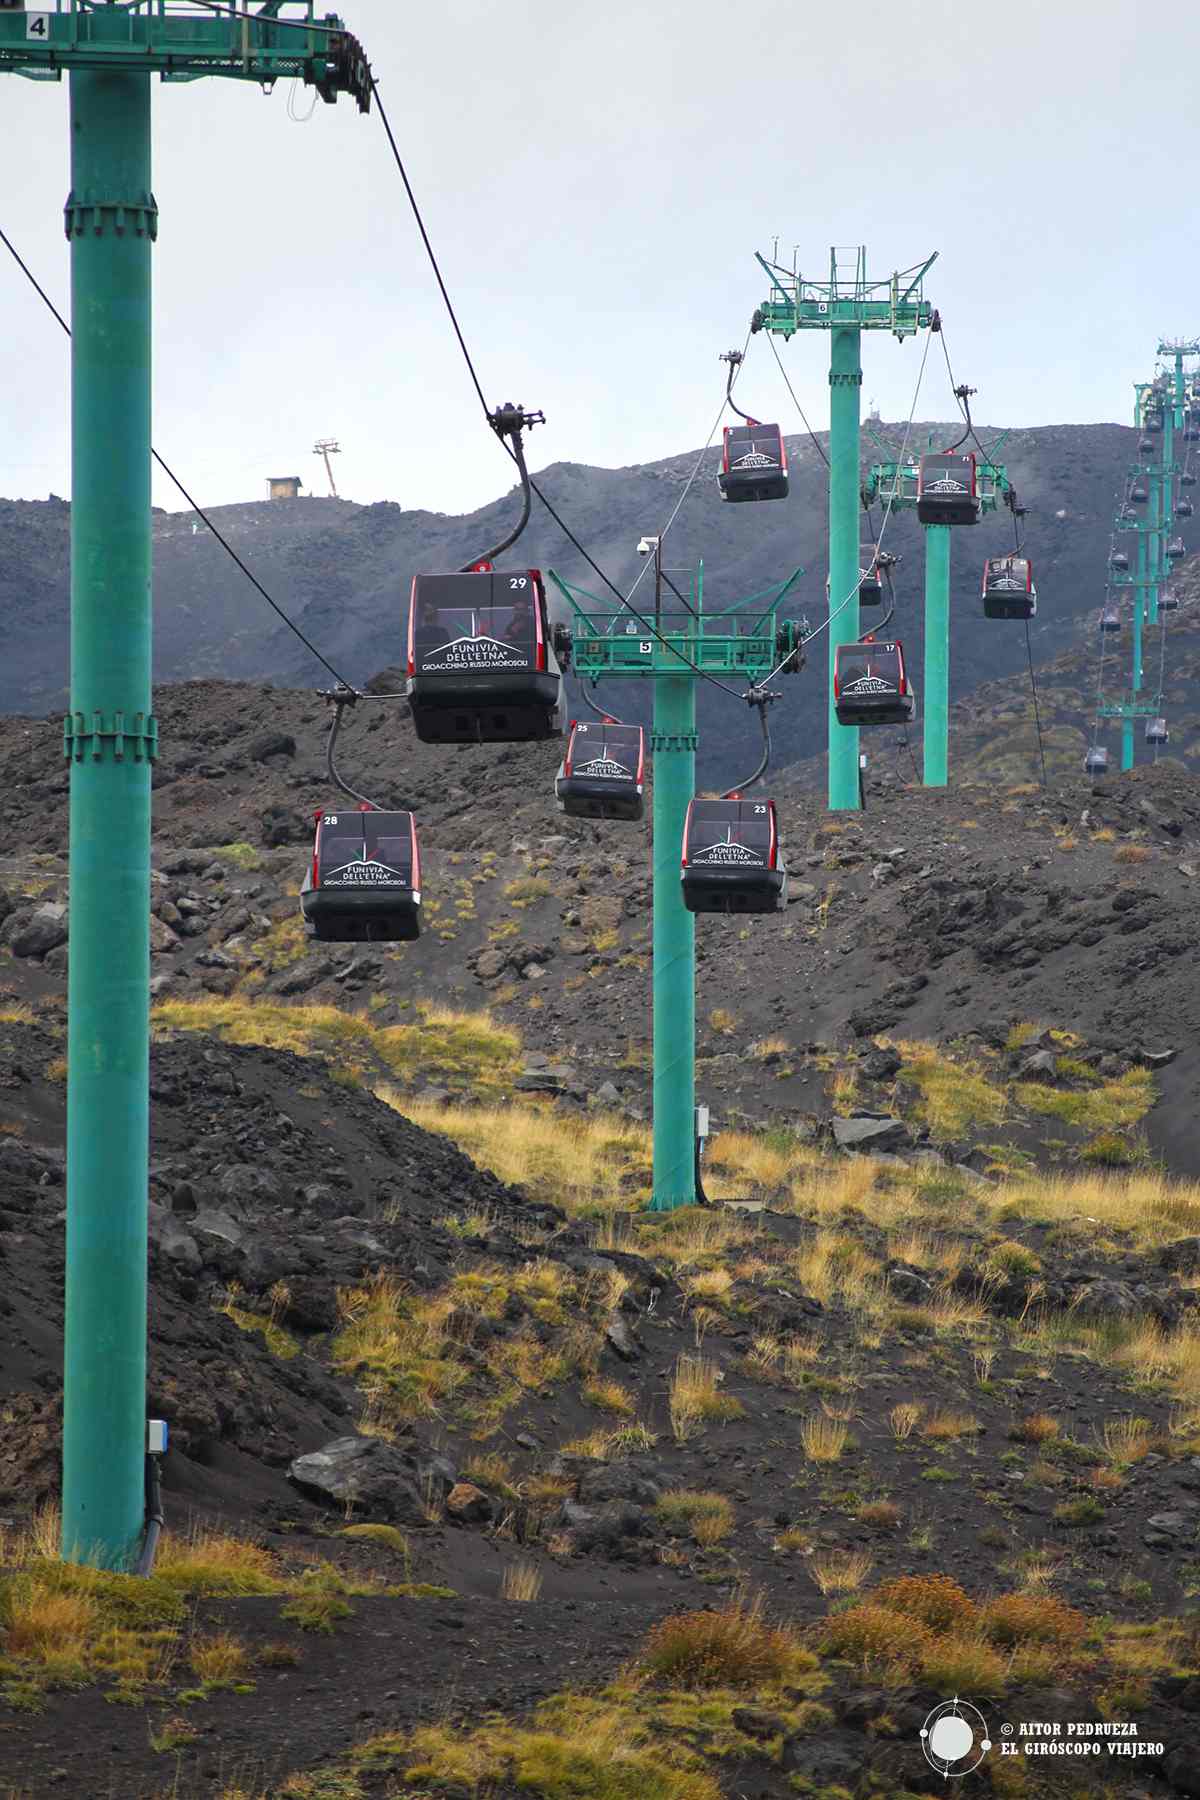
{"x":646,"y":545}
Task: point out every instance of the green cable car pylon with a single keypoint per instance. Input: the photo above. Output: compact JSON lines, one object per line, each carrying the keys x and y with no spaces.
{"x":845,"y":305}
{"x":676,"y":649}
{"x":110,"y":51}
{"x":894,"y":485}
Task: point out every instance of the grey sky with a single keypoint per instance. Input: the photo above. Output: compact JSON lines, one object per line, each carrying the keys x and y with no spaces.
{"x":596,"y":180}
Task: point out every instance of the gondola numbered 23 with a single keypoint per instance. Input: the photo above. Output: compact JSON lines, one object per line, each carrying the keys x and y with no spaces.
{"x":482,"y":662}
{"x":732,"y":862}
{"x":871,"y":685}
{"x":602,"y":775}
{"x":364,"y":882}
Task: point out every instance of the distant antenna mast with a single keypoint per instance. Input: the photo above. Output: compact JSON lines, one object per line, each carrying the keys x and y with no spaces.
{"x":327,"y":447}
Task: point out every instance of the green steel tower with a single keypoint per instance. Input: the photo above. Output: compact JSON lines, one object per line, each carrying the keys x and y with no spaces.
{"x":895,"y":484}
{"x":845,"y":305}
{"x":680,"y":648}
{"x":109,"y":51}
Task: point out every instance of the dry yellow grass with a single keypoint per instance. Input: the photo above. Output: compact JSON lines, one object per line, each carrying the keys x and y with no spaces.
{"x":584,"y":1164}
{"x":953,"y":1097}
{"x":904,"y":1418}
{"x":823,"y":1439}
{"x":1127,"y":1441}
{"x":840,"y":1571}
{"x":947,"y":1425}
{"x":1038,"y":1428}
{"x":218,"y":1658}
{"x":521,"y":1581}
{"x":696,"y":1399}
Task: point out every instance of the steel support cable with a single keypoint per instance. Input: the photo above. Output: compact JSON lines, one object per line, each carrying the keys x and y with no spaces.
{"x":1037,"y":712}
{"x":759,"y":701}
{"x":340,"y":702}
{"x":795,"y":402}
{"x":192,"y":502}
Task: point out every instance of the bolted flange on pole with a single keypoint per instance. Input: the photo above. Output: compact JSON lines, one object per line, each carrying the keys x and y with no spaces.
{"x":110,"y":737}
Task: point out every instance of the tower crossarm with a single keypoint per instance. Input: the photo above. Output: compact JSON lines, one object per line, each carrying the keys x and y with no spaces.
{"x":848,"y":297}
{"x":172,"y":39}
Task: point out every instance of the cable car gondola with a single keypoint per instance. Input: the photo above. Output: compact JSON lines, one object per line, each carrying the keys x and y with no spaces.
{"x":1156,"y":731}
{"x":1168,"y":602}
{"x":732,"y":861}
{"x":1145,"y":446}
{"x":364,"y":884}
{"x":1119,"y":562}
{"x":1110,"y":619}
{"x":603,"y":771}
{"x":1096,"y":761}
{"x":870,"y":581}
{"x":481,"y":659}
{"x":1008,"y":590}
{"x":754,"y":463}
{"x":871,"y":686}
{"x":1187,"y":479}
{"x":1184,"y":509}
{"x":947,"y":491}
{"x":1175,"y":549}
{"x":1138,"y":494}
{"x":1152,"y":422}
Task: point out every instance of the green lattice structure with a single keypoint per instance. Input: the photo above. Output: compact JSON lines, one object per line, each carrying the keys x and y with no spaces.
{"x":845,"y":303}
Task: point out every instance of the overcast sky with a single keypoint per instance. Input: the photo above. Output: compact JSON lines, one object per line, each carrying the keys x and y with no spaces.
{"x":596,"y":179}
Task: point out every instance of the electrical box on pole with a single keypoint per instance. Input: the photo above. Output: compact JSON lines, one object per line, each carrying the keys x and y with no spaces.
{"x":110,"y":52}
{"x":846,"y":304}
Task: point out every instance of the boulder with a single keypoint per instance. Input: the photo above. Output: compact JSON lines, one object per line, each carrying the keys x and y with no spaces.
{"x":271,"y":743}
{"x":245,"y":1182}
{"x":867,"y":1134}
{"x":162,"y":938}
{"x":361,"y":1474}
{"x":34,"y":933}
{"x":880,"y":1064}
{"x":1108,"y":1300}
{"x":620,"y":1338}
{"x":468,"y":1504}
{"x":827,"y":1761}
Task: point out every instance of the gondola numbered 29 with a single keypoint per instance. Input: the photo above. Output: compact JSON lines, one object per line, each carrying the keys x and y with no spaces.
{"x":1008,"y":590}
{"x":871,"y":685}
{"x":364,"y":882}
{"x":732,"y":861}
{"x":753,"y":463}
{"x":482,"y":666}
{"x":602,"y":775}
{"x":947,"y":489}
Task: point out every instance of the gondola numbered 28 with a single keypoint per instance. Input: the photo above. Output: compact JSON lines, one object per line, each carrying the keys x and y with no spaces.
{"x":753,"y":463}
{"x":871,"y":685}
{"x":1008,"y":590}
{"x":482,"y":666}
{"x":602,"y":775}
{"x":732,"y":862}
{"x":364,"y":882}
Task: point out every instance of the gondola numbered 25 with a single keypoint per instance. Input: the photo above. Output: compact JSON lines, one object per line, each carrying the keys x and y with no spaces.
{"x":602,"y":775}
{"x":871,"y":685}
{"x":753,"y":463}
{"x":732,"y":862}
{"x":364,"y":882}
{"x":482,"y":662}
{"x":1008,"y":590}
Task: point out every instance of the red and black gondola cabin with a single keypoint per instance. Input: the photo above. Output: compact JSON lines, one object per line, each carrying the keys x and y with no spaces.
{"x":753,"y":463}
{"x":1008,"y":590}
{"x":481,"y":661}
{"x":602,"y":775}
{"x":871,"y":685}
{"x":948,"y":489}
{"x":364,"y":883}
{"x":732,"y":862}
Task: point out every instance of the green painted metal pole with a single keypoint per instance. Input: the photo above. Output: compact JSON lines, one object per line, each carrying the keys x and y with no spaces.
{"x":1158,"y":512}
{"x":1135,"y":681}
{"x":111,"y":224}
{"x":936,"y":698}
{"x":845,"y":396}
{"x":674,"y":745}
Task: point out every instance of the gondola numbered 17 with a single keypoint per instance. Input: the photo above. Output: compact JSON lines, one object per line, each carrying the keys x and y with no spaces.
{"x":364,"y":882}
{"x":871,"y":685}
{"x":732,"y":861}
{"x":482,"y":659}
{"x":602,"y":775}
